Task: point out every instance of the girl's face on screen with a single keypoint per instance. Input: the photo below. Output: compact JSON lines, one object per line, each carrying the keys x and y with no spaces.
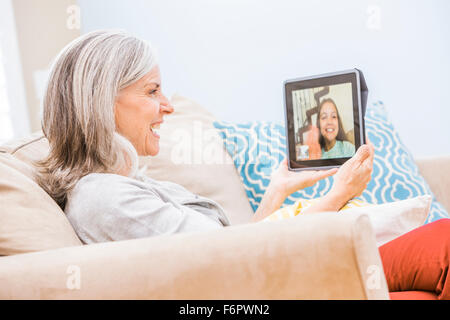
{"x":329,"y":125}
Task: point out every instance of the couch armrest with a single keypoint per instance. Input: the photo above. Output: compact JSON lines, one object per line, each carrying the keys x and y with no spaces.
{"x":320,"y":256}
{"x":436,"y":171}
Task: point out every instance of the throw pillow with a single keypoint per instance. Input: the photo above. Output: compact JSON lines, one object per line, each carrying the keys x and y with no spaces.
{"x":29,"y":219}
{"x":418,"y":261}
{"x":257,"y":148}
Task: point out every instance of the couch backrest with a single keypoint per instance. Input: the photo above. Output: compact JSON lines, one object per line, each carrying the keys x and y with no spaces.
{"x":436,"y":171}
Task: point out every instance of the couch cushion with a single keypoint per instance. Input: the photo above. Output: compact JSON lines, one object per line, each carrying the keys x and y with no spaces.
{"x":28,"y":149}
{"x":29,"y":219}
{"x":257,"y":149}
{"x":192,"y":154}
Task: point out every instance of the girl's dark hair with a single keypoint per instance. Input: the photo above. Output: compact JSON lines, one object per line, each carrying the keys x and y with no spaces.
{"x":341,"y":134}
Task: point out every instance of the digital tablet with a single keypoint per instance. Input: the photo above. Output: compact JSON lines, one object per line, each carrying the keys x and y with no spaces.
{"x":324,"y":117}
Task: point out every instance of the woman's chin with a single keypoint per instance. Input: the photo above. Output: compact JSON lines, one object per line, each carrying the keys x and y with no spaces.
{"x":148,"y":151}
{"x":153,"y":151}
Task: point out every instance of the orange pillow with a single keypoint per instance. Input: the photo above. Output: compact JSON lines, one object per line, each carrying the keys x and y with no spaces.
{"x":419,"y":260}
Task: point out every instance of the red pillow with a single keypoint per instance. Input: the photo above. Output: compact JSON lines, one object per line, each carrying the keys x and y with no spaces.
{"x":419,"y":260}
{"x":412,"y":295}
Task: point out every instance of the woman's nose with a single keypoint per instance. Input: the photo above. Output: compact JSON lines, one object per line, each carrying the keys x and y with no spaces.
{"x":166,"y":106}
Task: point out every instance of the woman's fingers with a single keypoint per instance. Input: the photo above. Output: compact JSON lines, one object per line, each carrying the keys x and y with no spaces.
{"x":363,"y":153}
{"x":285,"y":164}
{"x":322,"y":174}
{"x":371,"y":148}
{"x":310,"y":178}
{"x":369,"y":161}
{"x":330,"y":172}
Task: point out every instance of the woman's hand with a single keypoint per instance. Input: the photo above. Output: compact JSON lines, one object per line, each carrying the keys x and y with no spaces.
{"x":352,"y":178}
{"x":288,"y":182}
{"x":282,"y":184}
{"x":349,"y":182}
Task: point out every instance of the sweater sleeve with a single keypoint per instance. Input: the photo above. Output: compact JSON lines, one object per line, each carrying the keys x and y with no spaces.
{"x":114,"y":208}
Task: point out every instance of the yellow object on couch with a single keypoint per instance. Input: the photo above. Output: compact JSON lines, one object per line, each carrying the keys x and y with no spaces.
{"x":299,"y":206}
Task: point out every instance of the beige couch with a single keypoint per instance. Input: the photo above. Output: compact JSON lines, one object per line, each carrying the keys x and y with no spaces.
{"x":321,"y":256}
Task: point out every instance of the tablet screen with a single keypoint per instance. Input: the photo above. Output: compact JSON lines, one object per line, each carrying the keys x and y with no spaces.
{"x":323,"y":120}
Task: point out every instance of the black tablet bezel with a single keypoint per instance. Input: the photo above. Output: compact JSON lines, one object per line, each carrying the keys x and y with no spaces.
{"x":352,"y":76}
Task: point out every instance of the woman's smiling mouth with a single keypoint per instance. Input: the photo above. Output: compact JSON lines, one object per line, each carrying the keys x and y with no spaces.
{"x":154,"y":128}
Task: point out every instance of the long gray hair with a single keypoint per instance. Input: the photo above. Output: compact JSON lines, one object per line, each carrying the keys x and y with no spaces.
{"x":78,"y":109}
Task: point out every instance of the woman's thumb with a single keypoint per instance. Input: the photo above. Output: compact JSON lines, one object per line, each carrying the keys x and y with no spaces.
{"x":363,"y":152}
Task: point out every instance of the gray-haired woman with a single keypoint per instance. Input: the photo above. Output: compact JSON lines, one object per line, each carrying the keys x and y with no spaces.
{"x":102,"y":107}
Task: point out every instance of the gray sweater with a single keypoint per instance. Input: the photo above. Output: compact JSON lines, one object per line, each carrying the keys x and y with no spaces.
{"x":107,"y":207}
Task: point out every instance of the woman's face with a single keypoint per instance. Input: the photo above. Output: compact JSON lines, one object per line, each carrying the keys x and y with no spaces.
{"x":139,"y":110}
{"x":329,"y":125}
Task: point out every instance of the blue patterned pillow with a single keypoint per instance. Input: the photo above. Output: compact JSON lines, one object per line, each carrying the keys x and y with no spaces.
{"x":257,"y":148}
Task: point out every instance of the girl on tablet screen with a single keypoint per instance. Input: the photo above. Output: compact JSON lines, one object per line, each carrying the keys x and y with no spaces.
{"x":332,"y":139}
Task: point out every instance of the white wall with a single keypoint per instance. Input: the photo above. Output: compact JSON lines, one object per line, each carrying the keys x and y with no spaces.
{"x":11,"y":69}
{"x":233,"y":55}
{"x":43,"y":28}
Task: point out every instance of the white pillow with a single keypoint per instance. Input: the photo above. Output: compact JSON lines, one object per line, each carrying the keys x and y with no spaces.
{"x":393,"y":219}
